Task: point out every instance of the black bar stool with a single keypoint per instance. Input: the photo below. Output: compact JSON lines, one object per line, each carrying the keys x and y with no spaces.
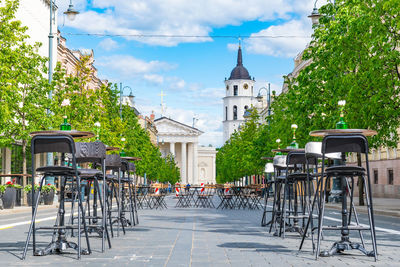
{"x":61,"y":143}
{"x":356,"y":143}
{"x":126,"y":180}
{"x":280,"y":166}
{"x":294,"y":192}
{"x":94,"y":153}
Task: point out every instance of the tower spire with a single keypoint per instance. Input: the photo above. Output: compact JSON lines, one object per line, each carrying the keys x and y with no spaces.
{"x":239,"y":57}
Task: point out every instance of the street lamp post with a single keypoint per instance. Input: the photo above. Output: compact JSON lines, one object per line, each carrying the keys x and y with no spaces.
{"x":71,"y":14}
{"x":260,"y":98}
{"x":130,"y":96}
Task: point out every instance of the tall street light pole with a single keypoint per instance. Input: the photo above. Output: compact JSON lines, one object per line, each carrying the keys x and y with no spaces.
{"x":260,"y":98}
{"x":71,"y":14}
{"x":121,"y":90}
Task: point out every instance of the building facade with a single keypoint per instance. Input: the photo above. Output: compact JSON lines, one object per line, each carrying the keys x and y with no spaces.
{"x":238,"y":98}
{"x":197,"y":164}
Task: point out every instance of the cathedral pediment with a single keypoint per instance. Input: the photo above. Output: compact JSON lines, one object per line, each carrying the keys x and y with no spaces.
{"x":166,"y":126}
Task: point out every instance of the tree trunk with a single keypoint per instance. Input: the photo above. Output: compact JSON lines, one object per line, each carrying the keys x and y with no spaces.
{"x":360,"y":184}
{"x":24,"y":178}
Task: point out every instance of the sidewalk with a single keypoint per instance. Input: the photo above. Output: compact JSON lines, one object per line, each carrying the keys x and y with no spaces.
{"x":382,"y":206}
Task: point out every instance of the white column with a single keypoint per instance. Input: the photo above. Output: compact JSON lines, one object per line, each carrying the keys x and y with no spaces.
{"x":190,"y":164}
{"x":214,"y":174}
{"x":183,"y":163}
{"x":195,"y":164}
{"x":7,"y":163}
{"x":172,"y":148}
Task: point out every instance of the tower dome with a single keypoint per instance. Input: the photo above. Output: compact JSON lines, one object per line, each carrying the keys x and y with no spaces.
{"x":240,"y":72}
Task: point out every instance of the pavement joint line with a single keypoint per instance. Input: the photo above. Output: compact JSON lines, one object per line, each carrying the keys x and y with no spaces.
{"x":390,"y":231}
{"x":172,"y":248}
{"x":12,"y":225}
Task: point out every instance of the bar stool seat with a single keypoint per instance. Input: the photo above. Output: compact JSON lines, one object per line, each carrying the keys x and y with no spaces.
{"x":297,"y":175}
{"x":111,"y":177}
{"x":87,"y":173}
{"x":346,"y":170}
{"x":55,"y":170}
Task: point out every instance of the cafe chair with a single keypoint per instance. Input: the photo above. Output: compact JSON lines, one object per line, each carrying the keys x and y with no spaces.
{"x":279,"y":163}
{"x":355,"y":143}
{"x":114,"y":165}
{"x":295,"y":192}
{"x":128,"y":195}
{"x":61,"y":143}
{"x":94,"y":153}
{"x":269,"y":170}
{"x":313,"y":157}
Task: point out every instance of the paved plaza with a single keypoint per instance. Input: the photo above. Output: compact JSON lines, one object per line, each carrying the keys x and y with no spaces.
{"x":197,"y":237}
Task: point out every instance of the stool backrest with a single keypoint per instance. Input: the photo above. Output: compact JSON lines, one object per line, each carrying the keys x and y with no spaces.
{"x":61,"y":143}
{"x":295,"y":157}
{"x":269,"y":168}
{"x":113,"y":161}
{"x":90,"y":152}
{"x":279,"y":161}
{"x":128,"y":166}
{"x":314,"y":150}
{"x":345,"y":143}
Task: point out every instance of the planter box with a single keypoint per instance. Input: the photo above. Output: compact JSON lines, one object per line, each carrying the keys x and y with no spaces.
{"x":48,"y":198}
{"x":9,"y":197}
{"x":29,"y":198}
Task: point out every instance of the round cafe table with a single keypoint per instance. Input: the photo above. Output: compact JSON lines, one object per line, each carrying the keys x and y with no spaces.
{"x":323,"y":133}
{"x":112,"y":148}
{"x":345,"y":241}
{"x":73,"y":133}
{"x":131,"y":158}
{"x":267,"y":158}
{"x":287,"y":150}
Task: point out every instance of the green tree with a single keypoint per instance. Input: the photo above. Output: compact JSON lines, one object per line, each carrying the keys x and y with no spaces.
{"x":23,"y":87}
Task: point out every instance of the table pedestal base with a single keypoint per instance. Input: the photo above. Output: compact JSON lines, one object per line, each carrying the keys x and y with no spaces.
{"x":339,"y":247}
{"x":58,"y":247}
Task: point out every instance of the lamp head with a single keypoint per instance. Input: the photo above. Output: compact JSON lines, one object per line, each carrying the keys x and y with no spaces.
{"x":71,"y":12}
{"x":315,"y":16}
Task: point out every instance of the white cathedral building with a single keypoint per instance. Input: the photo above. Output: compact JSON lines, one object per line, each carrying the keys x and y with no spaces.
{"x":238,"y":98}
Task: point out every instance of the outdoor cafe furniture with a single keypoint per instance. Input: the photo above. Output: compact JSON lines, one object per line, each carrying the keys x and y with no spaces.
{"x":113,"y":164}
{"x":94,"y":153}
{"x":226,"y":197}
{"x":128,"y":167}
{"x":295,"y":192}
{"x":344,"y":141}
{"x":62,"y":142}
{"x":269,"y":170}
{"x":205,"y":197}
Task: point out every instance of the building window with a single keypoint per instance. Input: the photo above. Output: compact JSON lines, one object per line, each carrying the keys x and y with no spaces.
{"x":226,"y":113}
{"x":235,"y":112}
{"x":390,"y":176}
{"x":375,"y":176}
{"x":235,"y":90}
{"x":246,"y":107}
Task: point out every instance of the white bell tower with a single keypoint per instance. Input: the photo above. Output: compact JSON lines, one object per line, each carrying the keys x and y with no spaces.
{"x":239,"y":97}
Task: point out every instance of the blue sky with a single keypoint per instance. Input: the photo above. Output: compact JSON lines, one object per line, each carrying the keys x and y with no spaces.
{"x":190,"y":71}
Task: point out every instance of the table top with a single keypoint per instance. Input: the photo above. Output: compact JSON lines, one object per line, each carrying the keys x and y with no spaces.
{"x":287,"y":150}
{"x":131,"y":158}
{"x":323,"y":133}
{"x":73,"y":133}
{"x":16,"y":175}
{"x":267,"y":158}
{"x":112,"y":148}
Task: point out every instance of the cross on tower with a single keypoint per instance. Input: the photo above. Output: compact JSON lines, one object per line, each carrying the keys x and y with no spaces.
{"x":162,"y":103}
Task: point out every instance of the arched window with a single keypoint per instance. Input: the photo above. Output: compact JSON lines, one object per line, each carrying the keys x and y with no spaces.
{"x":235,"y":90}
{"x":226,"y":113}
{"x":246,"y":107}
{"x":235,"y":112}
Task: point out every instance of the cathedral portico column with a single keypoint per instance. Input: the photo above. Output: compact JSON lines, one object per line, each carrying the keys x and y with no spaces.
{"x":172,"y":148}
{"x":184,"y":162}
{"x":195,"y":165}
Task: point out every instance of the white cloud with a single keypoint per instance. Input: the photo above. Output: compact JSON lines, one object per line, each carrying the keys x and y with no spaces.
{"x":179,"y":17}
{"x":108,"y":44}
{"x":129,"y":65}
{"x":281,"y":47}
{"x":154,"y":78}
